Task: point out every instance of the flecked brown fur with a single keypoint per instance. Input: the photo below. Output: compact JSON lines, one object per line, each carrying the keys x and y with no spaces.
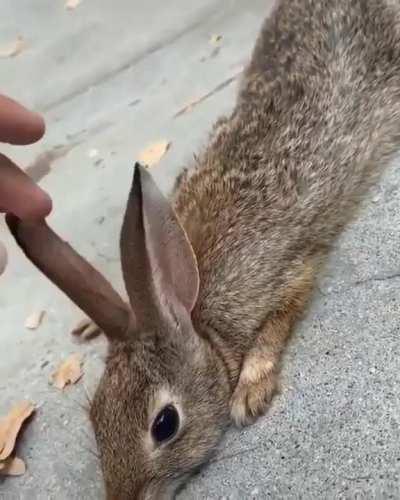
{"x":316,"y":121}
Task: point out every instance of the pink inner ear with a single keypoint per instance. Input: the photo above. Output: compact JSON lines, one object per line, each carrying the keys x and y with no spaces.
{"x":156,"y":255}
{"x":172,"y":254}
{"x":78,"y":279}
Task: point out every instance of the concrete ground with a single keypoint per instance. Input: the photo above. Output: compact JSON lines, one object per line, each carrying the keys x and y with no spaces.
{"x":110,"y":78}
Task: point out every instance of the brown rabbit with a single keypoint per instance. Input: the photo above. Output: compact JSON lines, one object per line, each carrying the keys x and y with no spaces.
{"x":216,"y":284}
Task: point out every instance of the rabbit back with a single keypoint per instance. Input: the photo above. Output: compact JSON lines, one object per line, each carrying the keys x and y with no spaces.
{"x":317,"y":119}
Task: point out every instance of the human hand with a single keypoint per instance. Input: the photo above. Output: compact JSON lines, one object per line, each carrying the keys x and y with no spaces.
{"x":19,"y":195}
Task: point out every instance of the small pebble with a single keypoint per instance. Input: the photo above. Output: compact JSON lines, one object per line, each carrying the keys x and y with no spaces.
{"x":215,"y":39}
{"x":93,"y":153}
{"x":100,"y":220}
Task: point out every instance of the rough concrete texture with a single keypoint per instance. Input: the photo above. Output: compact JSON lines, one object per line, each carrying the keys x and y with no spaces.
{"x":110,"y":76}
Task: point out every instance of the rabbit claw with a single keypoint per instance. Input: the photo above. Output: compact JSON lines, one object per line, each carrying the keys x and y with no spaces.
{"x":86,"y":330}
{"x":258,"y":383}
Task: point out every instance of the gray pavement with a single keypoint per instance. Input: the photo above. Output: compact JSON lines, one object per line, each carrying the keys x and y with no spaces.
{"x":109,"y":78}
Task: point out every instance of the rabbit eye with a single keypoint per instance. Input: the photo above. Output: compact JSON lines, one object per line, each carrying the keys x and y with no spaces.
{"x":166,"y":424}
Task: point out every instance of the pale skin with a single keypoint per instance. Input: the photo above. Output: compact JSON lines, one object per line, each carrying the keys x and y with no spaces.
{"x":19,"y":195}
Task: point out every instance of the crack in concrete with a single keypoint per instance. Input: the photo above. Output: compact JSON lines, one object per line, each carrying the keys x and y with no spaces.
{"x":358,"y":283}
{"x":136,"y":59}
{"x":206,"y":96}
{"x":378,"y":277}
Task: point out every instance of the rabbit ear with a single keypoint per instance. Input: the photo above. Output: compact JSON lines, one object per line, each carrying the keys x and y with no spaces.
{"x":74,"y":276}
{"x":158,"y":261}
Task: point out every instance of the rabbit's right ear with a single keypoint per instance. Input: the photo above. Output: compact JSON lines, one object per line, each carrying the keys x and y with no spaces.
{"x":158,"y":263}
{"x":74,"y":276}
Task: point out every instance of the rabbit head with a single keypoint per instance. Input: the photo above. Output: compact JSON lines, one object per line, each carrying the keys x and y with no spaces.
{"x":162,"y":404}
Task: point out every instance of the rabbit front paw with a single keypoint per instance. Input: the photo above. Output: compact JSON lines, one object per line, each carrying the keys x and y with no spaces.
{"x":258,"y":382}
{"x":86,"y":330}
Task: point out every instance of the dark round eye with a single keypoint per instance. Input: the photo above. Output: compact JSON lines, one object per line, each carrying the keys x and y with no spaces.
{"x":166,"y":424}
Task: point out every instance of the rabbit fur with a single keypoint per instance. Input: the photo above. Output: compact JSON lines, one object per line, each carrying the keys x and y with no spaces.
{"x":216,"y":287}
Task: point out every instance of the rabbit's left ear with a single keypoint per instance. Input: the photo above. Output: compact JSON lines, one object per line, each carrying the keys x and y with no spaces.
{"x":158,"y":262}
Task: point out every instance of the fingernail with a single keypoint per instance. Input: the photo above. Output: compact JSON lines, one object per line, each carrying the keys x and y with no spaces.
{"x":46,"y":204}
{"x":40,"y":126}
{"x":40,"y":206}
{"x":3,"y":258}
